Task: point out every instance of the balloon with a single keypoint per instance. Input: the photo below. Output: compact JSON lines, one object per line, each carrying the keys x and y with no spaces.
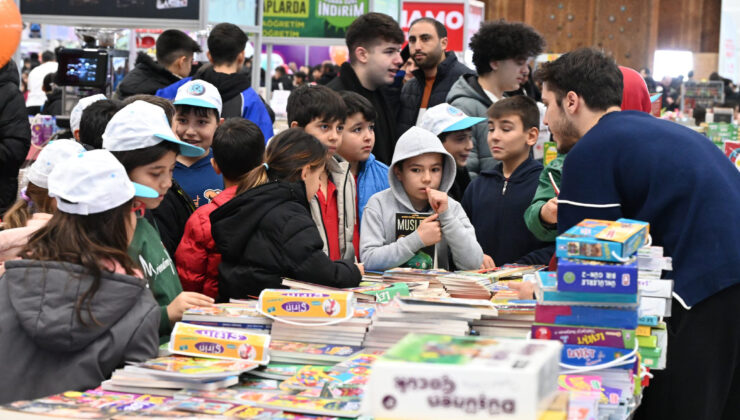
{"x":338,"y":54}
{"x":11,"y":26}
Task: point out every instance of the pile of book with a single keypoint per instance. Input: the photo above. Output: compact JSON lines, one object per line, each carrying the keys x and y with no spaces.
{"x":591,"y":306}
{"x":514,"y":319}
{"x":350,"y":333}
{"x":243,"y":315}
{"x":655,"y":304}
{"x":427,"y":282}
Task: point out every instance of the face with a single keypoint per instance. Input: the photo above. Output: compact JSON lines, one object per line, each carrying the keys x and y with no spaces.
{"x":459,"y":144}
{"x":195,"y":130}
{"x":156,"y":175}
{"x":425,"y":46}
{"x":511,"y":72}
{"x":383,"y":62}
{"x":311,"y":177}
{"x":418,"y":173}
{"x":328,"y":133}
{"x":507,"y":138}
{"x":409,"y":66}
{"x":316,"y":74}
{"x":564,"y":132}
{"x":358,"y":138}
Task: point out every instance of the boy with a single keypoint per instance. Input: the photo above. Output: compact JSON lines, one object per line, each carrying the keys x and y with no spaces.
{"x":496,"y":200}
{"x":421,"y":173}
{"x":320,"y":111}
{"x":455,"y":131}
{"x":93,"y":120}
{"x":358,"y":139}
{"x":75,"y":116}
{"x":238,"y":147}
{"x":197,"y":114}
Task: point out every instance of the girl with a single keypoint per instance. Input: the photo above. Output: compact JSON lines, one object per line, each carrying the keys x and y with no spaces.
{"x":266,"y":232}
{"x":75,"y":308}
{"x":140,"y":137}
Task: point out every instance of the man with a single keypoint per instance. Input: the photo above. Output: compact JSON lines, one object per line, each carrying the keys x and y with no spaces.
{"x":15,"y":134}
{"x":36,"y":94}
{"x":374,"y":42}
{"x":630,"y":164}
{"x":436,"y":71}
{"x":175,"y":51}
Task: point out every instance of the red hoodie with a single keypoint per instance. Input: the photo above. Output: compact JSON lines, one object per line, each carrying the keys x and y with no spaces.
{"x":635,"y":95}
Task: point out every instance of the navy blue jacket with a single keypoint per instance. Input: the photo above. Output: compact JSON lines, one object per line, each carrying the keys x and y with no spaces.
{"x":633,"y":165}
{"x":498,"y":214}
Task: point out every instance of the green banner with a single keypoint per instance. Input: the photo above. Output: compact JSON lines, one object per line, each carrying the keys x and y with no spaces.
{"x":310,"y":18}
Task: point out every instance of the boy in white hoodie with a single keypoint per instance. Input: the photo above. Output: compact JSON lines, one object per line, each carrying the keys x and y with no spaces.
{"x":421,"y":173}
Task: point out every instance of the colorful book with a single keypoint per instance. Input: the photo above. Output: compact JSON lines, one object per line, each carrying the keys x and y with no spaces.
{"x":649,"y":341}
{"x":89,"y":404}
{"x":294,"y":350}
{"x":602,"y":240}
{"x":648,"y":320}
{"x":221,"y":343}
{"x":193,"y":368}
{"x":597,"y":277}
{"x":588,"y":356}
{"x":592,"y":336}
{"x":314,"y":406}
{"x":587,"y":316}
{"x":406,"y":224}
{"x":547,"y":293}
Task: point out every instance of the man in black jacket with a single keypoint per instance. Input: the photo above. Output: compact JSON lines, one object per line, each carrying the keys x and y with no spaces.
{"x":175,"y":51}
{"x":436,"y":73}
{"x":374,"y":42}
{"x":15,"y":134}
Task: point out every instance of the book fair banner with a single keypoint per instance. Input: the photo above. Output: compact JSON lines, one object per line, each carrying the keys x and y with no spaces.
{"x":310,"y":18}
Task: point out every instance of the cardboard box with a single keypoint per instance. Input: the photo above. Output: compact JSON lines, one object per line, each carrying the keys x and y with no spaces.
{"x":602,"y":240}
{"x":602,"y":277}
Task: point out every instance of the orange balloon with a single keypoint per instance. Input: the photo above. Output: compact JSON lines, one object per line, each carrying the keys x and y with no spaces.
{"x":11,"y":26}
{"x":338,"y":54}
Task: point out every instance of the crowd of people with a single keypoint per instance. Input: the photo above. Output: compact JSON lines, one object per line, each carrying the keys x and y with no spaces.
{"x":176,"y":193}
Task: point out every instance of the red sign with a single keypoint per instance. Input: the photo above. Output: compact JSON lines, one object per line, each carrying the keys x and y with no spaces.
{"x":452,"y":16}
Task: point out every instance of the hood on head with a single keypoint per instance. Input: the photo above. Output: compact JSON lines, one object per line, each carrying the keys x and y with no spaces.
{"x":43,"y":295}
{"x":414,"y":142}
{"x":635,"y":95}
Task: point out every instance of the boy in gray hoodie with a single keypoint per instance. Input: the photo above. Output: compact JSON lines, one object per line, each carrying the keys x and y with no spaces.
{"x":420,"y":175}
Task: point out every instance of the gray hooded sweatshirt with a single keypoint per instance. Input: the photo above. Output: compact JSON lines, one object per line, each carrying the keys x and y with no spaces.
{"x":45,"y":347}
{"x":379,"y":249}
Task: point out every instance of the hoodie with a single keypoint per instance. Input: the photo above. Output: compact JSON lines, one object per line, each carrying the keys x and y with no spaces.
{"x":15,"y":134}
{"x":379,"y":247}
{"x":267,"y":233}
{"x":468,"y":96}
{"x":47,"y":349}
{"x":146,"y":77}
{"x":496,"y":207}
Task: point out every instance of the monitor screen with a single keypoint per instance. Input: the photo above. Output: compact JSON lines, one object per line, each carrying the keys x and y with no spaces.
{"x":82,"y":68}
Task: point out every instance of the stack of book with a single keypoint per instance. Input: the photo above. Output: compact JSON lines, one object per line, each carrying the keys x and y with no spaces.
{"x":350,"y":333}
{"x":655,"y":302}
{"x":297,"y":352}
{"x":467,"y":284}
{"x":591,"y":306}
{"x":370,"y":290}
{"x":430,"y":278}
{"x":229,"y":315}
{"x":514,"y":319}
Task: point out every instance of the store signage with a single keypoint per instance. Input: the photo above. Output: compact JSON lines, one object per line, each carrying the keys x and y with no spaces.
{"x":310,"y":18}
{"x":452,"y":15}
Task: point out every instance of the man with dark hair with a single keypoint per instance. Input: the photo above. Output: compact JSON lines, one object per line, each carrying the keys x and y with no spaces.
{"x":281,"y":80}
{"x":15,"y":134}
{"x":501,"y":51}
{"x":436,"y":71}
{"x":374,"y":42}
{"x":175,"y":51}
{"x":36,"y":95}
{"x":94,"y":120}
{"x":630,"y":164}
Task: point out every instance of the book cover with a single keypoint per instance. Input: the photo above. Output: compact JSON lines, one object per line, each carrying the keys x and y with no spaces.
{"x":547,"y":293}
{"x":593,"y":336}
{"x":587,"y":316}
{"x":216,"y":342}
{"x":195,"y":368}
{"x":306,"y":304}
{"x":597,"y":277}
{"x":584,"y":356}
{"x":602,"y":240}
{"x":314,"y":351}
{"x":406,"y":224}
{"x":315,"y":406}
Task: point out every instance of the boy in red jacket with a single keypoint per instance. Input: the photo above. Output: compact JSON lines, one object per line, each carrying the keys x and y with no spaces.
{"x":238,"y":147}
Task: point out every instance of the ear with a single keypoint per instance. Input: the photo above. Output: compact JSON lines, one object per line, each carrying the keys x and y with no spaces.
{"x":221,"y":121}
{"x":493,"y":64}
{"x":216,"y":169}
{"x":443,"y":43}
{"x":305,"y":171}
{"x":208,"y":54}
{"x":76,"y":134}
{"x":293,"y":124}
{"x":572,"y":102}
{"x":240,"y":59}
{"x":532,"y":135}
{"x":397,"y":172}
{"x":362,"y":54}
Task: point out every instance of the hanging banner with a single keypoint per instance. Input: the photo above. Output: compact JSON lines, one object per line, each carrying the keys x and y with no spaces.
{"x":310,"y":18}
{"x":452,"y":16}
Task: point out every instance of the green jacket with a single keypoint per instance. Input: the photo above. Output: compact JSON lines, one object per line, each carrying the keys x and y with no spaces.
{"x":159,"y":270}
{"x":543,"y":194}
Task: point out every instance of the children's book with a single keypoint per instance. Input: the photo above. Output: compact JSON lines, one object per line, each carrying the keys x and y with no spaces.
{"x":220,"y":343}
{"x":547,"y":293}
{"x":278,"y":371}
{"x":315,"y":406}
{"x":594,"y":336}
{"x":230,"y":315}
{"x":406,"y":224}
{"x":294,"y":350}
{"x":587,"y":316}
{"x":602,"y":240}
{"x":584,"y":356}
{"x":193,"y":368}
{"x":90,"y":404}
{"x":597,"y":277}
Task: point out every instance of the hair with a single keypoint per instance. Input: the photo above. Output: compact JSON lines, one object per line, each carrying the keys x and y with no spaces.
{"x":166,"y":105}
{"x":589,"y":73}
{"x":173,"y":44}
{"x":238,"y":147}
{"x":85,"y":240}
{"x":354,"y":103}
{"x":199,"y":111}
{"x":502,"y":40}
{"x":301,"y":74}
{"x":225,"y":42}
{"x":371,"y":29}
{"x":286,"y":155}
{"x":47,"y":56}
{"x":94,"y":119}
{"x":439,"y":26}
{"x":132,"y":159}
{"x":308,"y":102}
{"x":21,"y":211}
{"x":46,"y":85}
{"x":522,"y":106}
{"x":280,"y":70}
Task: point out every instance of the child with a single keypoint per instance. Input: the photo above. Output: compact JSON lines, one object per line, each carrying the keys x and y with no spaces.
{"x":238,"y":147}
{"x":35,"y":207}
{"x":198,"y":113}
{"x":93,"y":120}
{"x":140,"y":138}
{"x":320,"y":112}
{"x":266,"y":231}
{"x":75,"y":116}
{"x":75,"y":308}
{"x":496,"y":200}
{"x":358,"y":139}
{"x":455,"y":130}
{"x":421,"y":173}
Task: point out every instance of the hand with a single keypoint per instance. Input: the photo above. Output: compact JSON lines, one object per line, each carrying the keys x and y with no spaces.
{"x":487,"y":263}
{"x":429,"y":230}
{"x":361,"y":267}
{"x":549,"y":212}
{"x":185,"y":301}
{"x":524,"y":289}
{"x":438,"y":200}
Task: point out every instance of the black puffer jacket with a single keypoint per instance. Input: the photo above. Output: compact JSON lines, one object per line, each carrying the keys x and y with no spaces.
{"x":447,"y":74}
{"x":147,"y":77}
{"x":15,"y":134}
{"x":267,"y":233}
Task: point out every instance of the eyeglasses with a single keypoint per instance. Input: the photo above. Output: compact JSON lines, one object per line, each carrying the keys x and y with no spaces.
{"x":139,"y":209}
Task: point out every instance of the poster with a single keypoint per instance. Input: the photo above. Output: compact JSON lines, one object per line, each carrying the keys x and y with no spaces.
{"x":310,"y":18}
{"x":148,"y":9}
{"x":452,"y":15}
{"x":729,"y":40}
{"x":238,"y":12}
